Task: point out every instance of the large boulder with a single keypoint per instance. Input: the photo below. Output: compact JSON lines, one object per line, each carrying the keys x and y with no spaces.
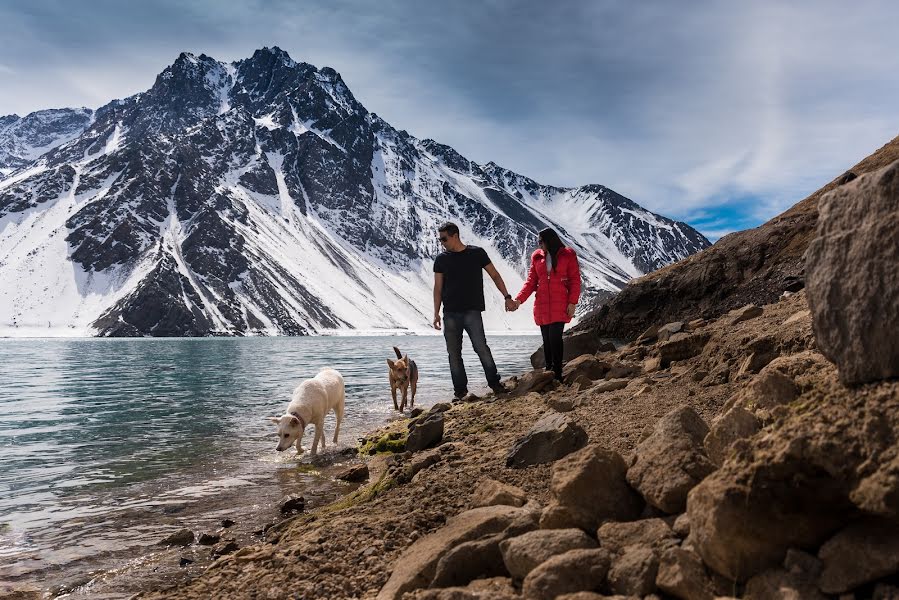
{"x":570,"y":572}
{"x":586,"y":365}
{"x":532,"y":382}
{"x":551,"y":438}
{"x":851,"y":277}
{"x":780,"y":584}
{"x":736,"y":424}
{"x":417,"y":565}
{"x":573,"y":345}
{"x":591,"y":488}
{"x":523,"y":553}
{"x":671,"y":461}
{"x":682,"y":575}
{"x":634,"y":572}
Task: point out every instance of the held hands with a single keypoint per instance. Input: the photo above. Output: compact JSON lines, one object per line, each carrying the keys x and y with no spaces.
{"x":570,"y":309}
{"x":512,"y":305}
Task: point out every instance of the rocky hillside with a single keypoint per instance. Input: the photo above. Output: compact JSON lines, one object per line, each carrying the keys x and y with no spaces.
{"x":260,"y":197}
{"x":754,"y":455}
{"x":752,"y":266}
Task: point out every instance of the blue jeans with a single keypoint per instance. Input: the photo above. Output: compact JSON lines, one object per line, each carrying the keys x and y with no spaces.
{"x":454,"y":323}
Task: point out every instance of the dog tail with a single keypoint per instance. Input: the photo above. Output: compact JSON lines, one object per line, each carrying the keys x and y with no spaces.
{"x":398,"y":353}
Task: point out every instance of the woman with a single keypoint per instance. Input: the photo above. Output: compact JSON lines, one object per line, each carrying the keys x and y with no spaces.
{"x":556,"y":277}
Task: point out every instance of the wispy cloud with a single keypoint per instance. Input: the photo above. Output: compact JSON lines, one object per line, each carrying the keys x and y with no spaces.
{"x":679,"y":109}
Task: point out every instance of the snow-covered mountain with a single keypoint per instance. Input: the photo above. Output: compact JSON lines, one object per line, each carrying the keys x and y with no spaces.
{"x":260,"y":197}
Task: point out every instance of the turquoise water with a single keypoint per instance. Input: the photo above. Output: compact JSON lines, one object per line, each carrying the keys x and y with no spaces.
{"x":105,"y":445}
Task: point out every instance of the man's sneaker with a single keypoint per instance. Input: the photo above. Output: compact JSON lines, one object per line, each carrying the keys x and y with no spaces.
{"x":457,"y":397}
{"x":499,"y":388}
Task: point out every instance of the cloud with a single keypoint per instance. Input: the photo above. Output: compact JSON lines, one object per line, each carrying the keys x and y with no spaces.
{"x":678,"y":108}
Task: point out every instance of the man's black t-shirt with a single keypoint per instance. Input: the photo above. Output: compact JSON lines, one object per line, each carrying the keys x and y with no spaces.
{"x":463,"y":283}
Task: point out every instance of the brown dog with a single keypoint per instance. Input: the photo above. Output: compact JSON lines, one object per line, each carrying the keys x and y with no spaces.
{"x":403,"y":373}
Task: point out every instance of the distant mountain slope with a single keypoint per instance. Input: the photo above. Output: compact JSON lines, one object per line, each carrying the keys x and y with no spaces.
{"x":260,"y":197}
{"x":751,"y":266}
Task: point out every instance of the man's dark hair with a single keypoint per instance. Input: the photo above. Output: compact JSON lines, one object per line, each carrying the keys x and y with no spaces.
{"x":450,"y":229}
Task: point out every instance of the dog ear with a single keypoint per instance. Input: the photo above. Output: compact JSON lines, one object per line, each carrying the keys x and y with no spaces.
{"x":274,"y":419}
{"x":406,"y":359}
{"x":390,"y":363}
{"x":294,"y":421}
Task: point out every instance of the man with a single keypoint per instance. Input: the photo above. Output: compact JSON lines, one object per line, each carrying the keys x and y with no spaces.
{"x":459,"y":286}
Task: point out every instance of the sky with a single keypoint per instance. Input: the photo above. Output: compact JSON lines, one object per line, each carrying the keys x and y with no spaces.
{"x":719,"y":113}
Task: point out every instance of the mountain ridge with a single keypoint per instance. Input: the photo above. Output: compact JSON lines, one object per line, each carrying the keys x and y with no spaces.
{"x":260,"y":196}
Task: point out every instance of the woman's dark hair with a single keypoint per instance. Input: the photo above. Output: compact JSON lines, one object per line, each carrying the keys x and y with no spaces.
{"x":553,"y":243}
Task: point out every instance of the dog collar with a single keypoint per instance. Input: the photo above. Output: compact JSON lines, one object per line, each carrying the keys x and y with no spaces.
{"x":302,"y":420}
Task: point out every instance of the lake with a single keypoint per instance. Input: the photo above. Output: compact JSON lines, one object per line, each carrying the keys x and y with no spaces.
{"x":108,"y":445}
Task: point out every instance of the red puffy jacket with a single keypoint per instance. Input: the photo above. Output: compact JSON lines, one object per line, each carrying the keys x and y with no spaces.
{"x":555,"y":290}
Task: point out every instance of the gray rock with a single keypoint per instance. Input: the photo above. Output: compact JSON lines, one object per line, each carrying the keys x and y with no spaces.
{"x":353,"y":473}
{"x":589,"y":487}
{"x":532,"y":381}
{"x":750,"y":311}
{"x":736,"y":424}
{"x":671,"y":461}
{"x":469,"y":561}
{"x":566,"y":404}
{"x":224,"y":548}
{"x":682,"y":575}
{"x":682,"y":346}
{"x":851,"y":277}
{"x":610,"y":385}
{"x":417,"y":565}
{"x":634,"y":572}
{"x":425,"y":432}
{"x":570,"y":572}
{"x":182,"y":537}
{"x":652,"y":533}
{"x":291,"y":504}
{"x":208,"y":539}
{"x":666,"y":331}
{"x":863,"y":552}
{"x":490,"y":492}
{"x":551,"y":438}
{"x":574,"y":345}
{"x":493,"y":588}
{"x":523,"y":553}
{"x":586,"y":365}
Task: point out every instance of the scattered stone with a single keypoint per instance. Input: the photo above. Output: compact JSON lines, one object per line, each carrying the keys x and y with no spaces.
{"x":417,"y":565}
{"x":469,"y":561}
{"x":426,"y":431}
{"x":798,"y":317}
{"x":416,"y":412}
{"x":696,"y":324}
{"x":634,"y":572}
{"x":575,"y":344}
{"x":490,"y":492}
{"x":533,"y":381}
{"x":653,"y":363}
{"x":671,"y":461}
{"x":605,"y":347}
{"x":208,"y":539}
{"x":651,"y":533}
{"x":183,"y":562}
{"x":589,"y":487}
{"x":494,"y":588}
{"x":586,"y":365}
{"x":226,"y":523}
{"x":719,"y":375}
{"x":878,"y":494}
{"x":682,"y":575}
{"x":418,"y":464}
{"x":563,"y":404}
{"x":523,"y":553}
{"x":682,"y":346}
{"x":851,"y":277}
{"x":353,"y":473}
{"x":778,"y":584}
{"x":669,"y":329}
{"x":750,"y":311}
{"x":440,"y":407}
{"x":762,"y":351}
{"x":182,"y":537}
{"x":682,"y":525}
{"x":769,"y":389}
{"x":551,"y":438}
{"x":803,"y":564}
{"x":736,"y":424}
{"x":610,"y":386}
{"x":224,"y":548}
{"x":572,"y":571}
{"x":861,"y":553}
{"x":292,"y":504}
{"x":649,"y":336}
{"x":469,"y":398}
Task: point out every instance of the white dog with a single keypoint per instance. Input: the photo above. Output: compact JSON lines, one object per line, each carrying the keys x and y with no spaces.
{"x":310,"y":403}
